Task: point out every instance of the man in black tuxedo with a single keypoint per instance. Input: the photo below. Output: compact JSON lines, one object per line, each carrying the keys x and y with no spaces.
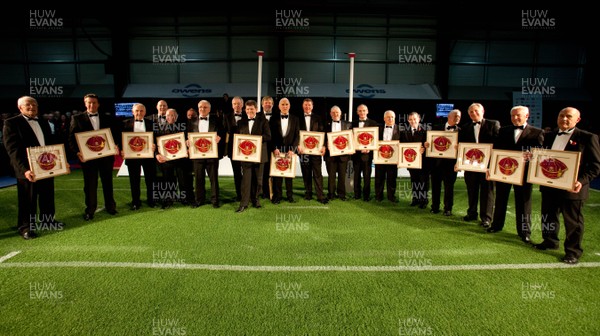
{"x":570,"y":203}
{"x":18,"y":133}
{"x":285,"y":136}
{"x":479,"y":130}
{"x":311,"y":165}
{"x":442,"y":169}
{"x":250,"y":170}
{"x":91,"y":120}
{"x":231,"y":121}
{"x":419,"y":177}
{"x":160,"y":118}
{"x":520,"y":136}
{"x":386,"y":175}
{"x":362,"y":159}
{"x":207,"y":122}
{"x":264,"y":189}
{"x":134,"y":166}
{"x":336,"y":165}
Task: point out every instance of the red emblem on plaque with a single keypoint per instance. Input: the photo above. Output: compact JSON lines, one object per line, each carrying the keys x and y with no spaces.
{"x":387,"y":151}
{"x":475,"y":155}
{"x":340,"y":142}
{"x":47,"y":161}
{"x":553,"y":168}
{"x":311,"y":142}
{"x":247,"y":147}
{"x":508,"y":166}
{"x":441,"y":143}
{"x":137,"y":143}
{"x":365,"y":138}
{"x":95,"y":143}
{"x":282,"y":164}
{"x":410,"y":155}
{"x":203,"y":145}
{"x":172,"y":146}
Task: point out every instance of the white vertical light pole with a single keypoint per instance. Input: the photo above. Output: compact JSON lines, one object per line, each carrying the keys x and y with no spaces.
{"x":259,"y":85}
{"x":351,"y":92}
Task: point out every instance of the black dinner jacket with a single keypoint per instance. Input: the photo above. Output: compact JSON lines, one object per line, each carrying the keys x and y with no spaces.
{"x":346,"y":125}
{"x":81,"y":123}
{"x":215,"y":124}
{"x":439,"y":162}
{"x":589,"y":166}
{"x":291,"y":139}
{"x":231,"y":127}
{"x":260,"y":127}
{"x":488,"y":132}
{"x":17,"y":136}
{"x":395,"y":132}
{"x":530,"y":137}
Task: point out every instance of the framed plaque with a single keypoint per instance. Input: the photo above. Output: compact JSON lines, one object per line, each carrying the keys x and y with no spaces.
{"x":387,"y":152}
{"x":203,"y":145}
{"x":247,"y":147}
{"x":554,"y":168}
{"x":410,"y":155}
{"x":507,"y":166}
{"x":96,"y":144}
{"x":365,"y":138}
{"x":48,"y":161}
{"x":138,"y":145}
{"x":283,"y":166}
{"x":312,"y":142}
{"x":340,"y":143}
{"x":442,"y":144}
{"x":172,"y":146}
{"x":473,"y":157}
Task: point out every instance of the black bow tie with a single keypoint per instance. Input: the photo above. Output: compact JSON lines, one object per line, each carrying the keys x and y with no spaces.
{"x":203,"y":118}
{"x":268,"y":114}
{"x":336,"y":121}
{"x":476,"y":122}
{"x":139,"y":121}
{"x":92,"y":115}
{"x":519,"y":127}
{"x":238,"y":115}
{"x":250,"y":119}
{"x":31,"y":119}
{"x":451,"y":127}
{"x":362,"y":120}
{"x":307,"y":115}
{"x":388,"y":126}
{"x":284,"y":116}
{"x":562,"y":133}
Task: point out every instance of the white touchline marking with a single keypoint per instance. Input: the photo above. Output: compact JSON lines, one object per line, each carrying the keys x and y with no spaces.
{"x":242,"y":268}
{"x":8,"y":256}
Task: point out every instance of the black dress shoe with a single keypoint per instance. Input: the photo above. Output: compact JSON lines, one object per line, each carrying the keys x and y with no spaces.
{"x":414,"y":203}
{"x":241,"y":209}
{"x":545,"y":246}
{"x":366,"y":199}
{"x":486,"y":224}
{"x":393,"y":200}
{"x":447,"y":213}
{"x":492,"y":229}
{"x":468,"y":218}
{"x":275,"y":201}
{"x":27,"y":235}
{"x":435,"y":211}
{"x":135,"y":207}
{"x":216,"y":205}
{"x":571,"y":260}
{"x":422,"y":205}
{"x":526,"y":239}
{"x":308,"y":198}
{"x":324,"y":201}
{"x":151,"y":204}
{"x":290,"y":199}
{"x":194,"y":205}
{"x":111,"y":211}
{"x":257,"y":205}
{"x":343,"y":198}
{"x":88,"y":217}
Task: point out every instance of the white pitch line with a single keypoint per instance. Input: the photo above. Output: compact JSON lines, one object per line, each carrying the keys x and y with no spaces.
{"x":242,"y":268}
{"x":8,"y":256}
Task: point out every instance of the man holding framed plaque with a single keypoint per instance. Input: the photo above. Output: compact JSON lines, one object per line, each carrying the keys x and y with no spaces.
{"x":362,"y":159}
{"x":209,"y":166}
{"x":91,"y":120}
{"x":520,"y":136}
{"x":567,"y":137}
{"x":385,"y":174}
{"x":338,"y":164}
{"x":285,"y":138}
{"x":310,"y":164}
{"x":419,"y":177}
{"x":19,"y":133}
{"x":138,"y":143}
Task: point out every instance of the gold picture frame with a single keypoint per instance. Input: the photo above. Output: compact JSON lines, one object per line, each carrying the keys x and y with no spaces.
{"x":340,"y":143}
{"x":312,"y":142}
{"x":96,"y":144}
{"x":473,"y":157}
{"x":410,"y":155}
{"x":554,"y":168}
{"x":172,"y":146}
{"x":365,"y":138}
{"x":48,"y":161}
{"x":387,"y":152}
{"x":507,"y":166}
{"x":137,"y":145}
{"x":283,"y":166}
{"x":203,"y":145}
{"x":247,"y":148}
{"x":442,"y":144}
